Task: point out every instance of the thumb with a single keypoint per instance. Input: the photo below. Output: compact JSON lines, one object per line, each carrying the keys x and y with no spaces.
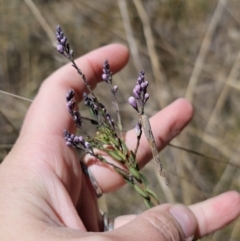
{"x":163,"y":223}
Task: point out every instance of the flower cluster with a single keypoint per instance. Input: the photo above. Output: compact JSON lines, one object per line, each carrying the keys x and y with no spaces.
{"x":140,"y":93}
{"x":77,"y":142}
{"x":98,"y":111}
{"x":108,"y":138}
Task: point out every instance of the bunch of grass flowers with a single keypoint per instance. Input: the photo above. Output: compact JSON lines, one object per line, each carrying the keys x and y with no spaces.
{"x":108,"y":137}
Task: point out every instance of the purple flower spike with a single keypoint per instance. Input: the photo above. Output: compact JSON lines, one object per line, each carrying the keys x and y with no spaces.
{"x":63,"y":46}
{"x":132,"y":102}
{"x":140,"y":91}
{"x":107,"y":74}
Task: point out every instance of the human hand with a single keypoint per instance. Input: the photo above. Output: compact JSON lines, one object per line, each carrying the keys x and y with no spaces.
{"x":45,"y":196}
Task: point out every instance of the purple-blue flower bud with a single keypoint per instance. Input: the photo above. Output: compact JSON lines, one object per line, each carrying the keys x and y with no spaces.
{"x":63,"y":41}
{"x":138,"y":129}
{"x":143,"y":85}
{"x":58,"y":28}
{"x":136,"y":93}
{"x":81,"y":140}
{"x":87,"y":145}
{"x":60,"y":49}
{"x":76,"y":139}
{"x":132,"y":102}
{"x":108,"y":117}
{"x":85,"y":95}
{"x":138,"y":88}
{"x":68,"y":143}
{"x":105,"y":77}
{"x":146,"y":97}
{"x":139,"y":80}
{"x":115,"y":89}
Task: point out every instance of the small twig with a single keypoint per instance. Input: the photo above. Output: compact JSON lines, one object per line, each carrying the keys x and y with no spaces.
{"x":15,"y":96}
{"x":118,"y":116}
{"x":151,"y":141}
{"x":224,"y":93}
{"x":204,"y":49}
{"x":161,"y":83}
{"x":41,"y":20}
{"x":214,"y":142}
{"x":202,"y":155}
{"x":129,"y":33}
{"x":83,"y":77}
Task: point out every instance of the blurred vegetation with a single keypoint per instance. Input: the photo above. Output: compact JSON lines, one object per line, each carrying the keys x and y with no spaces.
{"x":187,"y":49}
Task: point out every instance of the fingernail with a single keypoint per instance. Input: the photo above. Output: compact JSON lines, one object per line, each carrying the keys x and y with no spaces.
{"x":184,"y":218}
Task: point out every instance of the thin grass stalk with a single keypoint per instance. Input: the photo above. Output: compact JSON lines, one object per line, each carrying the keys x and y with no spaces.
{"x":42,"y":21}
{"x":199,"y":63}
{"x":161,"y":83}
{"x":129,"y":34}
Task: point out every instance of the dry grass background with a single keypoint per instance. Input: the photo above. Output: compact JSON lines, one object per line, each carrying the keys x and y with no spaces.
{"x":187,"y":48}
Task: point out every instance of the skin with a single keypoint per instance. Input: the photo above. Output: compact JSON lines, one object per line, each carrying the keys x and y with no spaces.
{"x":45,"y":196}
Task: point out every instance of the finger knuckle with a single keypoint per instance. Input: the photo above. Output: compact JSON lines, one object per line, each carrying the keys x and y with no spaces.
{"x":164,"y":227}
